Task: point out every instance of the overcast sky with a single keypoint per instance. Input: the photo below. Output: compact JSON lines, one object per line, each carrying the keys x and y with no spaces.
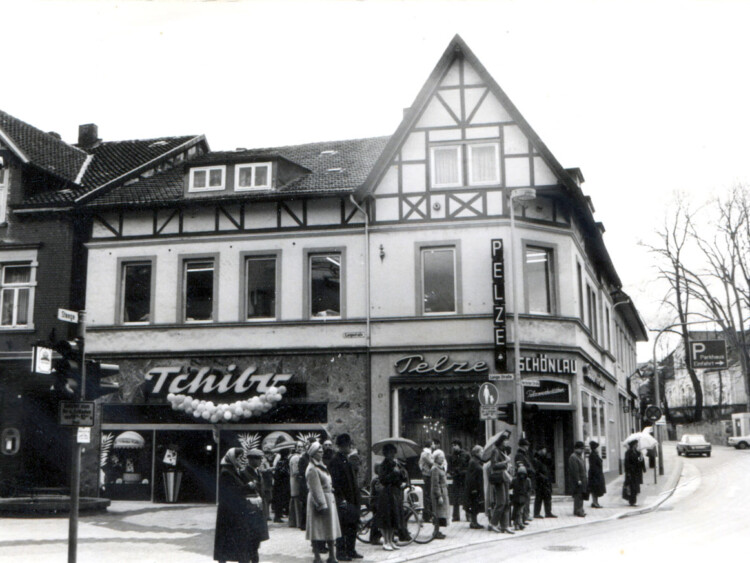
{"x":645,"y":97}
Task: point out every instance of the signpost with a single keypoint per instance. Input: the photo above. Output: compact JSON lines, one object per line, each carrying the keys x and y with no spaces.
{"x":710,"y":354}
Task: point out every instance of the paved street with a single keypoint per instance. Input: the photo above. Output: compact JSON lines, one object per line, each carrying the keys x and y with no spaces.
{"x":698,"y":514}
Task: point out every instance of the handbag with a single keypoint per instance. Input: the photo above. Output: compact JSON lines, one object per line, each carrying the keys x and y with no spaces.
{"x":497,"y":476}
{"x":585,"y":495}
{"x":626,"y":492}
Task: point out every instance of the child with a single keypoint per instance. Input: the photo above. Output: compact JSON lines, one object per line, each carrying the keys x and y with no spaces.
{"x":520,"y":486}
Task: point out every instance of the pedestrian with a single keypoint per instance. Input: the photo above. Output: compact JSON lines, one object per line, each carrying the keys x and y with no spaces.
{"x":348,"y":499}
{"x":295,"y":502}
{"x":521,"y":486}
{"x":266,"y":476}
{"x":425,"y":466}
{"x":304,"y":461}
{"x":474,"y":488}
{"x":389,"y":513}
{"x":523,"y":456}
{"x":543,"y":486}
{"x":439,"y":494}
{"x":327,"y":451}
{"x":458,"y":464}
{"x":597,"y":484}
{"x":497,"y":490}
{"x":281,"y":490}
{"x":322,"y":517}
{"x":634,"y":470}
{"x":578,"y":480}
{"x":240,"y":522}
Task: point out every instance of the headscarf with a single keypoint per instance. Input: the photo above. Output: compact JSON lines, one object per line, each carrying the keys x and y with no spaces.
{"x":231,"y":459}
{"x":314,"y":447}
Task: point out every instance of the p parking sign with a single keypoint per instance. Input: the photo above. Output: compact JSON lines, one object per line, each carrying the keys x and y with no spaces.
{"x":708,"y":354}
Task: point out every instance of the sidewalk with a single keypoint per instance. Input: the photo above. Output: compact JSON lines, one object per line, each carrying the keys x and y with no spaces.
{"x":147,"y":532}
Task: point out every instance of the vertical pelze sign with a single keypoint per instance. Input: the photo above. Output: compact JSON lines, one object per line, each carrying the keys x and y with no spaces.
{"x":498,"y":308}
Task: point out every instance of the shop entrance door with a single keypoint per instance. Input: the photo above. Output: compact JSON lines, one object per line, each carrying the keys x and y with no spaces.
{"x":196,"y":463}
{"x":553,"y":430}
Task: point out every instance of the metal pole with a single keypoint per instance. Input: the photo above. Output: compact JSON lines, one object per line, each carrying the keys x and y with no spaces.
{"x":516,"y":333}
{"x":657,"y":400}
{"x":75,"y":466}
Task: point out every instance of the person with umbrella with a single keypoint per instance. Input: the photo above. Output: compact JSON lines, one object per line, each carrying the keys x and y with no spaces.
{"x":597,"y":484}
{"x":322,"y":516}
{"x":389,"y":514}
{"x":634,"y":470}
{"x":497,"y":483}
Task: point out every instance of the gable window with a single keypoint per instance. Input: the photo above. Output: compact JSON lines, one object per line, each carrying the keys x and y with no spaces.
{"x":260,"y":282}
{"x":4,"y":181}
{"x":446,"y":167}
{"x":482,"y":161}
{"x":254,"y":176}
{"x":16,"y":295}
{"x":539,"y":268}
{"x":438,"y":269}
{"x":207,"y":178}
{"x":325,"y":284}
{"x":198,"y":290}
{"x":136,"y":292}
{"x":483,"y":164}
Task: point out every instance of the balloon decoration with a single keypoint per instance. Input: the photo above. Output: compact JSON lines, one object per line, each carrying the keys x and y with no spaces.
{"x":227,"y":412}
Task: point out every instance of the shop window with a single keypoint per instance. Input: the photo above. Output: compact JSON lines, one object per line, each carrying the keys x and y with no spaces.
{"x":438,"y":269}
{"x":136,"y":291}
{"x":198,"y":290}
{"x":125,"y":464}
{"x":255,"y":176}
{"x":16,"y":295}
{"x":207,"y":178}
{"x":594,"y":416}
{"x":324,"y":272}
{"x":260,"y":281}
{"x":539,"y":277}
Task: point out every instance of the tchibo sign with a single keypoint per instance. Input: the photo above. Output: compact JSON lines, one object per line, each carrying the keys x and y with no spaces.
{"x":212,"y":381}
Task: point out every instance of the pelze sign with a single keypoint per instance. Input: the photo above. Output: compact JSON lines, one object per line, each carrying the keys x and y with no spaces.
{"x":211,"y":381}
{"x":498,"y":306}
{"x":416,"y":365}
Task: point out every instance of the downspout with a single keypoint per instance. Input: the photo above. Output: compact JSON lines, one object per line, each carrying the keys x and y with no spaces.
{"x":619,"y":449}
{"x":368,"y":341}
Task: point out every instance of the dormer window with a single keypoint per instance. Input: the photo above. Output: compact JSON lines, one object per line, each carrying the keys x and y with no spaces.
{"x":256,"y":176}
{"x":207,"y":178}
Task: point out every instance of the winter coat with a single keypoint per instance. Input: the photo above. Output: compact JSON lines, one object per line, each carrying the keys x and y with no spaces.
{"x":322,"y":524}
{"x":521,"y":487}
{"x":523,"y":456}
{"x":543,"y":466}
{"x":597,"y":484}
{"x":240,"y":523}
{"x":577,"y":474}
{"x":389,"y":511}
{"x":634,"y":469}
{"x":294,"y":475}
{"x":345,"y":488}
{"x":474,"y":486}
{"x":496,"y":495}
{"x":439,"y":492}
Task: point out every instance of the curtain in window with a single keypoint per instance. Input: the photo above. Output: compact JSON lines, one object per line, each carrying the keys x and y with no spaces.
{"x":446,"y":166}
{"x":484,"y":164}
{"x":22,"y":315}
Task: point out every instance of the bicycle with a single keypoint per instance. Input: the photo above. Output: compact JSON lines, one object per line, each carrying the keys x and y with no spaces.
{"x":413,"y":522}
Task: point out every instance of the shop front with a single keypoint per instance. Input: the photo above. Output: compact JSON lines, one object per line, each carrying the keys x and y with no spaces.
{"x":155,"y":447}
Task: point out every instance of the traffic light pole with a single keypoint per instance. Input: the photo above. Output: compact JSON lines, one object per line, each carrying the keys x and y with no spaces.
{"x":75,"y":466}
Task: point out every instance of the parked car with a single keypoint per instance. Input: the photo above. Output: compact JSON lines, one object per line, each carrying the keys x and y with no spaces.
{"x":694,"y":444}
{"x":739,"y":442}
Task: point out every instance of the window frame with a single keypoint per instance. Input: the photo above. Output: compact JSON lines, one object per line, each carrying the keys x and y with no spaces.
{"x":253,"y":166}
{"x":184,"y":259}
{"x":30,"y":285}
{"x":308,"y":253}
{"x":419,"y":249}
{"x":207,"y":170}
{"x":469,"y":163}
{"x":122,"y":263}
{"x":459,"y":158}
{"x":245,"y":257}
{"x":552,"y":294}
{"x":4,"y":189}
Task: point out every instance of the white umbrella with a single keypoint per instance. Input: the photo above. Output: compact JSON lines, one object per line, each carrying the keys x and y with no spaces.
{"x":492,"y":442}
{"x":645,"y":440}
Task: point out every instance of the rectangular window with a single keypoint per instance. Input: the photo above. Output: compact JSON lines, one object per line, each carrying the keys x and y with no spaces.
{"x":607,"y":328}
{"x":438,"y":280}
{"x":539,"y":268}
{"x":4,"y":181}
{"x":483,"y":164}
{"x":198,"y":290}
{"x":136,"y":292}
{"x":260,"y":276}
{"x":207,"y":178}
{"x":254,"y":176}
{"x":325,"y":284}
{"x":15,"y":297}
{"x":580,"y":292}
{"x":446,"y":167}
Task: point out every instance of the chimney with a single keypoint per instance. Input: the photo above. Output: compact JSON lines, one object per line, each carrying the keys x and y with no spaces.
{"x":88,"y":136}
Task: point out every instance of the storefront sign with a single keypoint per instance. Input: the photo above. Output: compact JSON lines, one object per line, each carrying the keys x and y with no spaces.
{"x":211,"y":381}
{"x":41,"y":359}
{"x":553,"y":366}
{"x":548,"y":392}
{"x":416,"y":365}
{"x":498,"y":305}
{"x":595,"y":379}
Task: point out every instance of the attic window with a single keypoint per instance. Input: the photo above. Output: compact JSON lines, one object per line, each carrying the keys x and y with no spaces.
{"x":207,"y":178}
{"x":335,"y":170}
{"x":256,"y":176}
{"x":328,"y":152}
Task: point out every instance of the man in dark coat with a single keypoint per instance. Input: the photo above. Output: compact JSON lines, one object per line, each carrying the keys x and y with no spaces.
{"x":578,"y":480}
{"x":523,"y":457}
{"x":474,"y":487}
{"x":597,"y":484}
{"x":348,"y":499}
{"x":635,"y":467}
{"x":458,"y":463}
{"x":543,"y":464}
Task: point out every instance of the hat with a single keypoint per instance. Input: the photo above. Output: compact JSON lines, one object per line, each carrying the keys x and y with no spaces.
{"x":255,"y":452}
{"x":579,"y":445}
{"x":593,"y":444}
{"x":522,"y":469}
{"x":523,"y":442}
{"x":343,"y":440}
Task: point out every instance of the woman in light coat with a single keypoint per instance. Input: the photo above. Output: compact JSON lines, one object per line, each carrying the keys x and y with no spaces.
{"x":322,"y":516}
{"x":439,"y":494}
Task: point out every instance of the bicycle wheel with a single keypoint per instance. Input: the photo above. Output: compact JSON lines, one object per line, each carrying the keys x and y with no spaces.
{"x":413,"y":525}
{"x":365,"y":525}
{"x":425,"y":535}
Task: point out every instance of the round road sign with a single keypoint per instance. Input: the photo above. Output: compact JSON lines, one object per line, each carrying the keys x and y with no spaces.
{"x":488,"y":394}
{"x":653,"y":413}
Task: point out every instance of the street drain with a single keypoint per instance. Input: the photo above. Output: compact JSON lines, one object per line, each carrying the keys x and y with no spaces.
{"x":564,"y":548}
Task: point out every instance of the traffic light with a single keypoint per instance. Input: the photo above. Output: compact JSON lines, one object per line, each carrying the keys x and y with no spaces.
{"x":95,"y":372}
{"x":67,"y":373}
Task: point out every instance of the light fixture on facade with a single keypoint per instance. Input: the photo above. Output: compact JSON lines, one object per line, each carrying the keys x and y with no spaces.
{"x":382,"y":253}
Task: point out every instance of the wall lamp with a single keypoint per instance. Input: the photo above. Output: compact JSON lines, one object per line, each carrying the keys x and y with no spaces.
{"x":382,"y":253}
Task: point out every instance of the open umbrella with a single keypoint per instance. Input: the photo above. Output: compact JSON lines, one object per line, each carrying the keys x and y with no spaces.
{"x":645,"y":440}
{"x":404,"y":448}
{"x":494,"y":439}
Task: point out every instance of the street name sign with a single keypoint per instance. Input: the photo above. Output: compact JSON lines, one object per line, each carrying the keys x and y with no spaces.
{"x":530,"y":382}
{"x":488,"y":394}
{"x":76,"y":414}
{"x":501,"y":377}
{"x":711,"y":354}
{"x":67,"y":316}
